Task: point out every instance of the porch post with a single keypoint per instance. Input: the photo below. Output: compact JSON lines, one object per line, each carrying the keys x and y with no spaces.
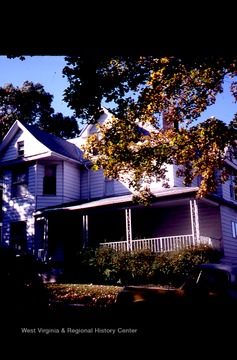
{"x":194,"y":220}
{"x":128,"y":228}
{"x":46,"y":237}
{"x":85,"y":230}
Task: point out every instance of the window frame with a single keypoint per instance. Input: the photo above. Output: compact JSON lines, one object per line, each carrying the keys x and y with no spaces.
{"x":20,"y":149}
{"x":50,"y":181}
{"x":18,"y":236}
{"x":234,"y":229}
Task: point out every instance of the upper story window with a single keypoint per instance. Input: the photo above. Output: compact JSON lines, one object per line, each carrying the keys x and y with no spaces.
{"x":20,"y":182}
{"x":49,"y":180}
{"x":20,"y":149}
{"x":233,"y":190}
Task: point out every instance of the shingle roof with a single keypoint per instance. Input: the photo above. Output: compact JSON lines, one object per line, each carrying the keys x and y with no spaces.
{"x":119,"y":200}
{"x":54,"y":143}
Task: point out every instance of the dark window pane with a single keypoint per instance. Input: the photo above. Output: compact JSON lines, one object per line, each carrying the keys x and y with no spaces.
{"x":50,"y":180}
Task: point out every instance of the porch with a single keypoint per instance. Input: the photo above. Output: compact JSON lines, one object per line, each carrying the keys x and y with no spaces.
{"x":161,"y":244}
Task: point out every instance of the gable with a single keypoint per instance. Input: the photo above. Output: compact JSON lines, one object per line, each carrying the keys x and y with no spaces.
{"x":31,"y":146}
{"x":35,"y":143}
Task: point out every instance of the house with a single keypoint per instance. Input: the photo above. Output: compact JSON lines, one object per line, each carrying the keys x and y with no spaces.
{"x":54,"y":204}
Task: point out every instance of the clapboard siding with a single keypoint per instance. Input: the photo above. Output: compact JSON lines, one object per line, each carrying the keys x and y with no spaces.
{"x":49,"y":200}
{"x":120,"y":188}
{"x":166,"y":221}
{"x":92,"y":183}
{"x":18,"y":209}
{"x":230,"y":243}
{"x":44,"y":201}
{"x":10,"y":152}
{"x":39,"y":179}
{"x":84,"y":184}
{"x":67,"y":185}
{"x":173,"y":221}
{"x":97,"y":184}
{"x":71,"y":178}
{"x":31,"y":179}
{"x":226,"y":193}
{"x":209,"y":220}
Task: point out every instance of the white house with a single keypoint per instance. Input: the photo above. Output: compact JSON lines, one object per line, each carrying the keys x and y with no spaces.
{"x":53,"y":204}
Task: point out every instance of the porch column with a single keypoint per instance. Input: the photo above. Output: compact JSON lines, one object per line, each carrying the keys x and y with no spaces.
{"x":85,"y":230}
{"x":128,"y":228}
{"x":46,"y":237}
{"x":194,"y":220}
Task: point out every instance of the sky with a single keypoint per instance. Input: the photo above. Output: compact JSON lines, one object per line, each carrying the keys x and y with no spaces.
{"x":47,"y":70}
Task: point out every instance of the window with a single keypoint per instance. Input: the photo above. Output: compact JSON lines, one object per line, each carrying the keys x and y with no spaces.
{"x":215,"y":281}
{"x":20,"y":148}
{"x":109,"y":187}
{"x":20,"y":182}
{"x":233,"y":194}
{"x":234,"y":228}
{"x":18,"y":235}
{"x":49,"y":180}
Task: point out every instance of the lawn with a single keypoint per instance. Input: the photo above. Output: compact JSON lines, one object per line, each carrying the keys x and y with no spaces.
{"x":86,"y":294}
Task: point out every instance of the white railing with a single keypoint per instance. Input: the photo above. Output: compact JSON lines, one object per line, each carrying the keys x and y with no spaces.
{"x":160,"y":244}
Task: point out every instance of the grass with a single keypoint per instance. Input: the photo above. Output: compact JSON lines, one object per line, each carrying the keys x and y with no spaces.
{"x":86,"y":294}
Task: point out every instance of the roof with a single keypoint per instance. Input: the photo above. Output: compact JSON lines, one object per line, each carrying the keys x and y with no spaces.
{"x":52,"y":142}
{"x":122,"y":199}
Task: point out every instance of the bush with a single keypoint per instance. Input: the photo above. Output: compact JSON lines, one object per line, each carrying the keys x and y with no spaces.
{"x":106,"y":266}
{"x":174,"y":267}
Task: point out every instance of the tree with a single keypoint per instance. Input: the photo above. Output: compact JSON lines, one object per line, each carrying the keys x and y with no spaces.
{"x":32,"y":104}
{"x":143,"y":90}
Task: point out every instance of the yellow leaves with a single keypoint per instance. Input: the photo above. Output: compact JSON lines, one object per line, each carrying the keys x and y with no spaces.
{"x":87,"y":294}
{"x":128,"y":150}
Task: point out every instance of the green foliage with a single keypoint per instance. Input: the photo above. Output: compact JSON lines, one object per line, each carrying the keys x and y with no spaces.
{"x":32,"y":105}
{"x":146,"y":85}
{"x":107,"y":266}
{"x":173,"y":268}
{"x":146,"y":89}
{"x":102,"y":272}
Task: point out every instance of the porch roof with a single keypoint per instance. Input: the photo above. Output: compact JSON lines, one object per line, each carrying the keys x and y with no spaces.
{"x":122,"y":199}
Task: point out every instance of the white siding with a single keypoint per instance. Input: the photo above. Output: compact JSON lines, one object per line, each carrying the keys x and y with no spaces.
{"x":97,"y":184}
{"x":120,"y":188}
{"x":49,"y":200}
{"x":85,"y":184}
{"x":10,"y":152}
{"x":230,"y":243}
{"x":172,"y":179}
{"x":226,"y":192}
{"x":174,"y":221}
{"x":92,"y":185}
{"x":209,"y":220}
{"x":67,"y":185}
{"x":71,"y":179}
{"x":18,"y":209}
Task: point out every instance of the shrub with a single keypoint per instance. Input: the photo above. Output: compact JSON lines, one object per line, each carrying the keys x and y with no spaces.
{"x":107,"y":266}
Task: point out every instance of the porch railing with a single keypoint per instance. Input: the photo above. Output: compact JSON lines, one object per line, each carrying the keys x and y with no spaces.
{"x":159,"y":244}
